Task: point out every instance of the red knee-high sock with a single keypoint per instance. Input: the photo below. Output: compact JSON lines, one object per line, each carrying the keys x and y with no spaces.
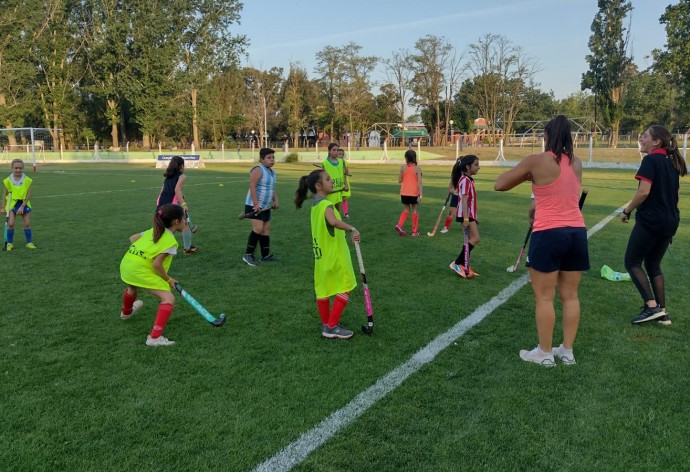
{"x":345,"y":207}
{"x":403,"y":218}
{"x":339,"y":304}
{"x":415,"y":222}
{"x":324,"y":309}
{"x":449,"y":220}
{"x":164,"y":312}
{"x":127,"y":302}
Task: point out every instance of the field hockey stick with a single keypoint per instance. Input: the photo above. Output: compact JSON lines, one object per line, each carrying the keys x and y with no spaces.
{"x":467,"y":254}
{"x":440,"y":215}
{"x":369,"y":327}
{"x":251,"y":213}
{"x":4,"y":246}
{"x":513,"y":268}
{"x":192,"y":227}
{"x":199,"y":308}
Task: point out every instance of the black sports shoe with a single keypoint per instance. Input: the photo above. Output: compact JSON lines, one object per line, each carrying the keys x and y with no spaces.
{"x":249,"y":259}
{"x":269,"y":258}
{"x":648,"y":314}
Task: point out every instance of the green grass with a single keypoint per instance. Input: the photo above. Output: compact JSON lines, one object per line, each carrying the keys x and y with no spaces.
{"x":80,"y":391}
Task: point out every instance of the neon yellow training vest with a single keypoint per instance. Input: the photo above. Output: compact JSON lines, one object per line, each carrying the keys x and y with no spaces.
{"x":333,"y":273}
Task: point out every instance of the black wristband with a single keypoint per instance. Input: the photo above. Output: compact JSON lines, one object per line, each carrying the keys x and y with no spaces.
{"x":627,"y":214}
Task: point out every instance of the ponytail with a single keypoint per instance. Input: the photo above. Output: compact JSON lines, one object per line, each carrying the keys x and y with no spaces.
{"x":307,"y":183}
{"x":164,"y":218}
{"x":678,"y":162}
{"x":669,"y":144}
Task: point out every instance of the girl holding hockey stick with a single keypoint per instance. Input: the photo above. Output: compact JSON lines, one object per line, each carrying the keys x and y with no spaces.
{"x":172,"y":193}
{"x":467,"y":212}
{"x":333,"y":272}
{"x":410,"y":180}
{"x":455,"y":175}
{"x":146,"y":264}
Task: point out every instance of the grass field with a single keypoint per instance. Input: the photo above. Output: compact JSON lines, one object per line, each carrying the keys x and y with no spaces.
{"x":81,"y":392}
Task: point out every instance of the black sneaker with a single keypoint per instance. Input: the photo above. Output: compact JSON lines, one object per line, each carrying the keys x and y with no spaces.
{"x":269,"y":258}
{"x":249,"y":259}
{"x":648,"y":314}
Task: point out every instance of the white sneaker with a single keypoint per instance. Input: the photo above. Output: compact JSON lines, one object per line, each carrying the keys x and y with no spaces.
{"x":444,"y":230}
{"x":564,"y":355}
{"x":135,"y":307}
{"x":159,"y":341}
{"x":536,"y":355}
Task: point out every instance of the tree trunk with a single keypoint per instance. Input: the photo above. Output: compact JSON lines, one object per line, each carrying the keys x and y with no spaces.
{"x":146,"y":139}
{"x":613,"y":139}
{"x":112,"y":118}
{"x":195,"y":119}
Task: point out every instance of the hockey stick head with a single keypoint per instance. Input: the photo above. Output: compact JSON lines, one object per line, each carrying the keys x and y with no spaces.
{"x":431,"y":234}
{"x":510,"y":269}
{"x":219,"y":322}
{"x":368,"y":328}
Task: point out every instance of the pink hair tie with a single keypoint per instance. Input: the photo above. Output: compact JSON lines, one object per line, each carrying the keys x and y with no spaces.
{"x":160,"y":212}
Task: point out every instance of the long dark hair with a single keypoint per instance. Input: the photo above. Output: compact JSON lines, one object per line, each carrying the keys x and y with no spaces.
{"x":464,"y":163}
{"x":307,"y":183}
{"x":558,"y":138}
{"x":164,"y":218}
{"x":668,"y":142}
{"x":411,"y":157}
{"x":174,"y":166}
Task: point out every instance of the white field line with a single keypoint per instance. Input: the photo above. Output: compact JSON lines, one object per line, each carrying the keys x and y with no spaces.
{"x":98,"y":192}
{"x":294,"y":453}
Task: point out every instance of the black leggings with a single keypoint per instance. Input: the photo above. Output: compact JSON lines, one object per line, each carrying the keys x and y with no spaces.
{"x":646,"y":246}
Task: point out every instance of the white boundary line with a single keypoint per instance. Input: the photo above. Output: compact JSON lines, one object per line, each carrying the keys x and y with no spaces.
{"x":294,"y":453}
{"x":97,"y":192}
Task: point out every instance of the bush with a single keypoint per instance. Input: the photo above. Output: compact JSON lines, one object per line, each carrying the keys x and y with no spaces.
{"x":292,"y":157}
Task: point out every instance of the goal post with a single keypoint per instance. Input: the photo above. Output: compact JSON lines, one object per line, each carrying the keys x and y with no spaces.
{"x":29,"y":144}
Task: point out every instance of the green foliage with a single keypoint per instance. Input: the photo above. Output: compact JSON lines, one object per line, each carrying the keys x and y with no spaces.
{"x":675,"y":59}
{"x":609,"y":61}
{"x":292,"y":157}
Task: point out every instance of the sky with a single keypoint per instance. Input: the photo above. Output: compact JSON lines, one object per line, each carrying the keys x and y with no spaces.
{"x":554,"y":32}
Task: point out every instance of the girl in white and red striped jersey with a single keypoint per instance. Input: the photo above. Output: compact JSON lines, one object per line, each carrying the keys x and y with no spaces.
{"x":467,"y":210}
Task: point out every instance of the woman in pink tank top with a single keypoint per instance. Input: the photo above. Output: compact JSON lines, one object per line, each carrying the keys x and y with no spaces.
{"x":558,"y":252}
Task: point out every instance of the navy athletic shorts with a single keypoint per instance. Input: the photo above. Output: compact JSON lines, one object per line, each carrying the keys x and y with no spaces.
{"x":559,"y":249}
{"x":453,"y":201}
{"x":263,"y":216}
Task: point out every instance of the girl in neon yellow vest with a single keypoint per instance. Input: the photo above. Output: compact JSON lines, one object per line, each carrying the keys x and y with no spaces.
{"x":333,"y":272}
{"x":146,"y":264}
{"x":16,"y":196}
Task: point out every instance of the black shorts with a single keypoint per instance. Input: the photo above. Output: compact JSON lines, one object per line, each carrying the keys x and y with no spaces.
{"x":409,"y":200}
{"x":262,"y":216}
{"x":453,"y":201}
{"x":559,"y":249}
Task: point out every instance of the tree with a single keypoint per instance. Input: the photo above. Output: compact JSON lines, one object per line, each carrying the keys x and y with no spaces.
{"x":343,"y":75}
{"x":608,"y":61}
{"x":503,"y":78}
{"x":429,"y":66}
{"x":650,"y":99}
{"x":675,"y":60}
{"x":400,"y":76}
{"x":107,"y":56}
{"x":295,"y":107}
{"x":208,"y":46}
{"x":56,"y":51}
